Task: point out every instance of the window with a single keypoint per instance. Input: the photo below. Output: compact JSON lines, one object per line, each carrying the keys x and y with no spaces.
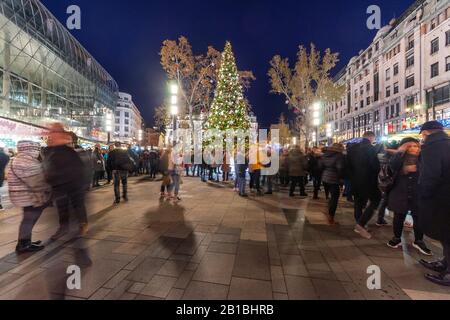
{"x":388,"y":92}
{"x":361,"y":90}
{"x":392,"y":111}
{"x":396,"y":69}
{"x":127,"y":114}
{"x":387,"y":113}
{"x":409,"y":82}
{"x":368,"y":101}
{"x":377,"y":46}
{"x":409,"y":61}
{"x":117,"y":113}
{"x":435,"y":46}
{"x":396,"y":88}
{"x":388,"y":74}
{"x":433,"y":24}
{"x":410,"y":42}
{"x":117,"y":129}
{"x":356,"y":94}
{"x":127,"y":122}
{"x":447,"y":38}
{"x":368,"y":86}
{"x":435,"y":70}
{"x":397,"y":110}
{"x":361,"y":104}
{"x":410,"y":102}
{"x":447,"y":63}
{"x":377,"y":116}
{"x":127,"y":129}
{"x":117,"y":121}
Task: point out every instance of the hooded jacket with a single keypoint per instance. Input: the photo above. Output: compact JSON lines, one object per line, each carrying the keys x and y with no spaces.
{"x":26,"y":181}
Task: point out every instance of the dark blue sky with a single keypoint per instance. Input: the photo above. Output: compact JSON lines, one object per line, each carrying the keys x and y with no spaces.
{"x":125,"y":36}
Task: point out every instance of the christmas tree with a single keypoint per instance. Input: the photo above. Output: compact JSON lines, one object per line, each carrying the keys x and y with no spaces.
{"x":229,"y":108}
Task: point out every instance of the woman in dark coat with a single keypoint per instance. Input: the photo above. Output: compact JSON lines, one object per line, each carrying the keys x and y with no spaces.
{"x":404,"y":194}
{"x":332,"y":167}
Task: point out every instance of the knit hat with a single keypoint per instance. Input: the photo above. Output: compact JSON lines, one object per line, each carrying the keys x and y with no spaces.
{"x":432,"y":125}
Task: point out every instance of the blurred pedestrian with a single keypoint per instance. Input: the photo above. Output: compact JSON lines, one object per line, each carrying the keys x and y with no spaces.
{"x":297,"y":165}
{"x":315,"y":170}
{"x":65,"y":172}
{"x":332,"y":166}
{"x":29,"y":191}
{"x":108,"y":166}
{"x":403,"y":197}
{"x":4,"y":159}
{"x":434,"y":191}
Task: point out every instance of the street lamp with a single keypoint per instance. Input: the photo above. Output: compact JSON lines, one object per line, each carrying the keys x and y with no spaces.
{"x":316,"y":120}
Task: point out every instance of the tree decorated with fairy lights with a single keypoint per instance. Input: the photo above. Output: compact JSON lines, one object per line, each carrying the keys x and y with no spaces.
{"x":229,"y":108}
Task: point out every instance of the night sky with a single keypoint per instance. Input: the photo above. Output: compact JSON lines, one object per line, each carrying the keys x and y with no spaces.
{"x":125,"y":36}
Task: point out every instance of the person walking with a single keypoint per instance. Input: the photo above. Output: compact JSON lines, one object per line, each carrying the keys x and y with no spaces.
{"x":98,"y":163}
{"x":364,"y":167}
{"x":404,"y":166}
{"x":176,"y":168}
{"x":154,"y":162}
{"x":29,"y":191}
{"x":315,"y":170}
{"x":65,"y":173}
{"x":241,"y":173}
{"x":4,"y":159}
{"x":434,"y":191}
{"x":297,"y":166}
{"x":164,"y":169}
{"x":332,"y":166}
{"x":121,"y":164}
{"x":108,"y":167}
{"x":255,"y":173}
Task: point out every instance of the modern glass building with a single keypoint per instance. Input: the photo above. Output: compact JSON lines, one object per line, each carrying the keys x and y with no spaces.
{"x":46,"y":75}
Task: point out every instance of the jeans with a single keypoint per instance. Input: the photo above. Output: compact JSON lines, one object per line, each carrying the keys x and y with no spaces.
{"x":270,"y":183}
{"x":255,"y":180}
{"x":153,"y":170}
{"x":63,"y":200}
{"x":175,"y":185}
{"x":364,"y":213}
{"x":399,"y":222}
{"x":335,"y":192}
{"x":348,"y":190}
{"x":297,"y":181}
{"x":446,"y":247}
{"x":383,"y":206}
{"x":97,"y":177}
{"x":317,"y":182}
{"x":225,"y":176}
{"x":120,"y":176}
{"x":242,"y":184}
{"x":30,"y":216}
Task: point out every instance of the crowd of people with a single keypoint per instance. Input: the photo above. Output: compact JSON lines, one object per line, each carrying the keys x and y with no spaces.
{"x":409,"y":179}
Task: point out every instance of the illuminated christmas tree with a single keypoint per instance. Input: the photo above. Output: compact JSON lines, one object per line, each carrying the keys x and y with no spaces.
{"x":229,"y":108}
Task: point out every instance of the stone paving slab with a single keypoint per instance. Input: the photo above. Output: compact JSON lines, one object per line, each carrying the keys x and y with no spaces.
{"x":212,"y":245}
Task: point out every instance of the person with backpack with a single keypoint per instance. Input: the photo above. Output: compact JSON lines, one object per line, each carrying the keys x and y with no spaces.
{"x":121,"y":165}
{"x":332,"y":166}
{"x":403,"y":194}
{"x":4,"y":159}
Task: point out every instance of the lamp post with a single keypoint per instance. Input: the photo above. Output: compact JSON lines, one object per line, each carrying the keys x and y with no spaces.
{"x":174,"y":109}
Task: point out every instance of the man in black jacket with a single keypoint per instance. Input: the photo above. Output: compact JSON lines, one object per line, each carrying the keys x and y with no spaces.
{"x":434,"y":191}
{"x":364,"y":167}
{"x":4,"y":159}
{"x":120,"y":163}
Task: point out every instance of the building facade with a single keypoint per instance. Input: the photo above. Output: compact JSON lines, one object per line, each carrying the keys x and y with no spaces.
{"x":398,"y":82}
{"x":128,"y":126}
{"x":47,"y":76}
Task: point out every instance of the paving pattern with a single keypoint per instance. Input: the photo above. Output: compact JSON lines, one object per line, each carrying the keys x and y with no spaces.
{"x":212,"y":245}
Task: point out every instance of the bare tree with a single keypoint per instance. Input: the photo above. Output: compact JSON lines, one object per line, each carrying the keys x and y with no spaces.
{"x":309,"y":81}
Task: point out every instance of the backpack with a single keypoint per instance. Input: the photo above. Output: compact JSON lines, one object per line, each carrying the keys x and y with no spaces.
{"x":386,"y":178}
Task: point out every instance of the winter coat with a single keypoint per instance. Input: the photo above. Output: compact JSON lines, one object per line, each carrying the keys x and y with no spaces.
{"x":98,"y":162}
{"x":64,"y":169}
{"x":363,"y":168}
{"x":297,"y":164}
{"x":283,"y":165}
{"x":404,"y":193}
{"x":314,"y":167}
{"x":26,"y":180}
{"x":4,"y":159}
{"x":434,"y":187}
{"x":332,"y":165}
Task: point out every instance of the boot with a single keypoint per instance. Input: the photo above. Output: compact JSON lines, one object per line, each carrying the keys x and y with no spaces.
{"x":83,"y":230}
{"x":26,"y":246}
{"x":62,"y":231}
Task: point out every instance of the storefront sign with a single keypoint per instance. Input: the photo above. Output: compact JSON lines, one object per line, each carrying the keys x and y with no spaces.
{"x":10,"y":127}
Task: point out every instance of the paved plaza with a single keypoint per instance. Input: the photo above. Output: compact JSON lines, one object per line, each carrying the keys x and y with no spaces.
{"x":211,"y":245}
